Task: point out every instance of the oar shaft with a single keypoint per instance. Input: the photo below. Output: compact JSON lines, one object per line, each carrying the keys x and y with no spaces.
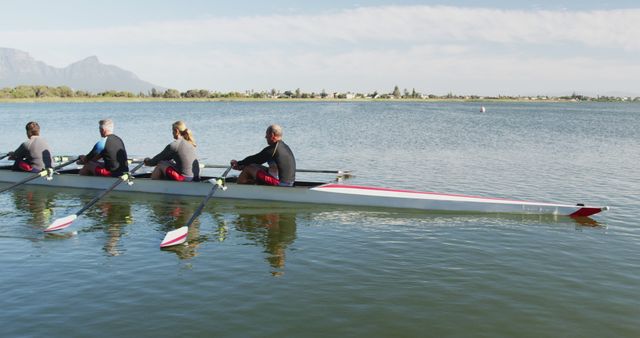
{"x":206,"y":199}
{"x":64,"y":222}
{"x":99,"y":196}
{"x":179,"y":236}
{"x":201,"y":206}
{"x":339,"y":172}
{"x":34,"y":176}
{"x":28,"y":179}
{"x":104,"y":192}
{"x":65,"y":157}
{"x":65,"y":164}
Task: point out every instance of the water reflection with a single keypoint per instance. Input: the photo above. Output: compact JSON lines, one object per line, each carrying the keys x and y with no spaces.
{"x":395,"y":217}
{"x":37,"y":205}
{"x":274,"y":231}
{"x":173,"y":213}
{"x":587,"y":222}
{"x":255,"y":220}
{"x":112,"y":216}
{"x":270,"y":225}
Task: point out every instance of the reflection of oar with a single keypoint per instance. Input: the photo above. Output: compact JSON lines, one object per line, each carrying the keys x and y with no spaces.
{"x":42,"y":173}
{"x":64,"y":222}
{"x":178,"y":236}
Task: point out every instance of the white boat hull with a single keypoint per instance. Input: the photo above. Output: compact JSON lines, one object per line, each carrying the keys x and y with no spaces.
{"x":330,"y":193}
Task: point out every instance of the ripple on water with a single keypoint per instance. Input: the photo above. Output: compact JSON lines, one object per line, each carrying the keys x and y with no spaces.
{"x":274,"y":269}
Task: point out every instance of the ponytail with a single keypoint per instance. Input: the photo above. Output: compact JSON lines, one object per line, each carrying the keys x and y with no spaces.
{"x":185,"y":132}
{"x":188,"y":135}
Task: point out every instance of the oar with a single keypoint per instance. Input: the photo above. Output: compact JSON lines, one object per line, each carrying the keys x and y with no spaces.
{"x":64,"y":222}
{"x":4,"y":156}
{"x":345,"y":173}
{"x":178,"y":236}
{"x":42,"y":173}
{"x":66,"y":157}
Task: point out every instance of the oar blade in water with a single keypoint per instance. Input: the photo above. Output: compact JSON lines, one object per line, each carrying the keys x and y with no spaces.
{"x":175,"y":237}
{"x":61,"y":223}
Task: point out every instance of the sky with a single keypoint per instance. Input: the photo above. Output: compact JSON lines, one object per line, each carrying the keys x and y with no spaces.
{"x":467,"y":47}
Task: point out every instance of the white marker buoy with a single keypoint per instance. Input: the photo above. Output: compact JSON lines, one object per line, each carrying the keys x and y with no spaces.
{"x":482,"y":109}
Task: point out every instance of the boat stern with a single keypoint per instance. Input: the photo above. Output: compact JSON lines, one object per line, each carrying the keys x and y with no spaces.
{"x":586,"y":211}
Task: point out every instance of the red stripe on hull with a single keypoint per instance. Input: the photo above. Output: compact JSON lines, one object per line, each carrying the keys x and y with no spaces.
{"x":584,"y":212}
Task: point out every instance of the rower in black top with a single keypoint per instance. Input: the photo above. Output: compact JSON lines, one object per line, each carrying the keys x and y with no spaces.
{"x":110,"y":149}
{"x":282,"y":163}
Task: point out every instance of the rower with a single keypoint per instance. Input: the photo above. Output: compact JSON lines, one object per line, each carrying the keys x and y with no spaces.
{"x":34,"y":154}
{"x":110,"y":149}
{"x":178,"y":161}
{"x":282,"y":163}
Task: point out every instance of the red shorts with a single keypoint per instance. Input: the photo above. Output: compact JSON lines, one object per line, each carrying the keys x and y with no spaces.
{"x":263,"y":176}
{"x":24,"y":166}
{"x":102,"y":171}
{"x":172,"y":174}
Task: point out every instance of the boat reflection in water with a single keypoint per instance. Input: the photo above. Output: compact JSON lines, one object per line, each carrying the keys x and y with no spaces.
{"x":112,"y":216}
{"x":274,"y":231}
{"x":173,"y":213}
{"x":257,"y":222}
{"x":270,"y":225}
{"x":34,"y":209}
{"x":37,"y":203}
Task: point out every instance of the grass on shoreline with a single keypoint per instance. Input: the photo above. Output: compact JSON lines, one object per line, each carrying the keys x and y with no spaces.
{"x":244,"y":99}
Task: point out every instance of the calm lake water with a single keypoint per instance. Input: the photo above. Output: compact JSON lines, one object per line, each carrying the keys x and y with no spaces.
{"x":258,"y":269}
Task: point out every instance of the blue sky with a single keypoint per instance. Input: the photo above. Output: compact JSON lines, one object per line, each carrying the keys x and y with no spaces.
{"x":466,"y":47}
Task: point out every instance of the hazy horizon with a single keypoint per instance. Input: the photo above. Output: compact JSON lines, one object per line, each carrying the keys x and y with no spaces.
{"x":464,"y":47}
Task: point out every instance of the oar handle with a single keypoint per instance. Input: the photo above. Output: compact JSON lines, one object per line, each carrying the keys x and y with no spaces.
{"x":226,"y":172}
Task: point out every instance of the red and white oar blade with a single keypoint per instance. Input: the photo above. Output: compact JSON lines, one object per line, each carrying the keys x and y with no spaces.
{"x":61,"y":223}
{"x":175,"y":237}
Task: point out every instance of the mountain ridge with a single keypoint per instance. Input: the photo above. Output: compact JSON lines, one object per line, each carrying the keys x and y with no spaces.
{"x":18,"y":67}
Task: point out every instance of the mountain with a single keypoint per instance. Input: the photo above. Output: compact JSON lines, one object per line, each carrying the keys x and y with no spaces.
{"x":19,"y":68}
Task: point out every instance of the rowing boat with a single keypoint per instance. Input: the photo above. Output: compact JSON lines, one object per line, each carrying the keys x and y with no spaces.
{"x":317,"y":193}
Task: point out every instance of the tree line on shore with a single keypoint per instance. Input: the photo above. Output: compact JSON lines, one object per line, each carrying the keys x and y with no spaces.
{"x":36,"y":92}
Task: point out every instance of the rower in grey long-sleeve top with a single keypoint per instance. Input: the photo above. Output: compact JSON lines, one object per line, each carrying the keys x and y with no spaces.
{"x":34,"y":154}
{"x":178,"y":161}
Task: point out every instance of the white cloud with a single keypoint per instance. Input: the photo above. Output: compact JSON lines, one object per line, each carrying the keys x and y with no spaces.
{"x":428,"y":68}
{"x":417,"y":24}
{"x":432,"y":48}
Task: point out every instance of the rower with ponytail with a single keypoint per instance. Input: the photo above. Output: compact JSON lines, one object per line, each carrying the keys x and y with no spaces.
{"x":178,"y":161}
{"x":185,"y":132}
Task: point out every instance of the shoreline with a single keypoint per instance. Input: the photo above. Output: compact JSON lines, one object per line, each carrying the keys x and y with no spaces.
{"x":245,"y":99}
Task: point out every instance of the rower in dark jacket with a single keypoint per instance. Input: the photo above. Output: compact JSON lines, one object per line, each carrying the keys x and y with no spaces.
{"x":110,"y":149}
{"x":282,"y":163}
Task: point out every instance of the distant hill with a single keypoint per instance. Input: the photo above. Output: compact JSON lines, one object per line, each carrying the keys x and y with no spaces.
{"x":19,"y":68}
